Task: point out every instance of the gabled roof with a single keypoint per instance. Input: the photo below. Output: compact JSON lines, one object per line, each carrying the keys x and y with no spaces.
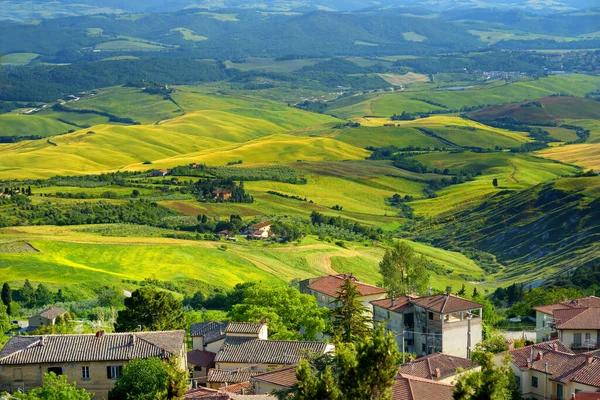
{"x":243,"y":328}
{"x":577,"y":318}
{"x":225,"y":376}
{"x":51,"y":313}
{"x":237,"y":388}
{"x":562,"y":366}
{"x":331,"y":284}
{"x":206,"y":394}
{"x":80,"y":348}
{"x":284,"y":377}
{"x":267,"y":351}
{"x":436,"y":366}
{"x":442,"y":303}
{"x":211,"y":331}
{"x":399,"y":304}
{"x":582,"y":302}
{"x":201,"y":358}
{"x":261,"y":225}
{"x":408,"y":387}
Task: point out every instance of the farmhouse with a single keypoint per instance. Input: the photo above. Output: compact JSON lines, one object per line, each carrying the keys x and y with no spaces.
{"x":219,"y":193}
{"x":442,"y":323}
{"x":159,"y":172}
{"x":546,"y":326}
{"x":259,"y":231}
{"x":550,"y":370}
{"x":94,"y":362}
{"x":47,"y":317}
{"x":325,"y":290}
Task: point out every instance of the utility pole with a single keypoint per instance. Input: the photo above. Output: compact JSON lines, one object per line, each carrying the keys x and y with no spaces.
{"x":403,"y":346}
{"x":469,"y":316}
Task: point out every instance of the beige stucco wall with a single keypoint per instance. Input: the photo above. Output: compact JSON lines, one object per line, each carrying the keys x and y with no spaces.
{"x":265,"y":387}
{"x":215,"y":346}
{"x":198,"y":343}
{"x":40,"y":321}
{"x":567,"y":337}
{"x":454,"y":337}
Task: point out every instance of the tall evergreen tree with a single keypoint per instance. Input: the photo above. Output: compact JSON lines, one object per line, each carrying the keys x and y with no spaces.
{"x":27,"y":292}
{"x":42,"y":296}
{"x":7,"y":297}
{"x":351,"y":320}
{"x":403,"y":271}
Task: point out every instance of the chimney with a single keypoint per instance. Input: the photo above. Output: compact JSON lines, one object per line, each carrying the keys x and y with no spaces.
{"x":511,"y":345}
{"x":263,"y":321}
{"x":438,"y":373}
{"x":410,"y":358}
{"x":590,"y":359}
{"x":393,"y":302}
{"x":540,"y":355}
{"x":532,"y":355}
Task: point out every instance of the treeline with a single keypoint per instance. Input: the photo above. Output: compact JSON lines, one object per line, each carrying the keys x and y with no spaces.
{"x":221,"y":190}
{"x":139,"y":212}
{"x":275,"y":173}
{"x":48,"y":83}
{"x":111,"y":117}
{"x":339,"y":222}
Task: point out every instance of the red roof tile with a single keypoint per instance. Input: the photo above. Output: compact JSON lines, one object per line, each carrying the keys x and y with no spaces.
{"x":284,"y":377}
{"x":237,"y":388}
{"x":577,"y":318}
{"x":442,"y":303}
{"x":411,"y":388}
{"x":589,"y":301}
{"x":399,"y":304}
{"x":587,"y":396}
{"x":331,"y":284}
{"x":521,"y":355}
{"x":436,"y":366}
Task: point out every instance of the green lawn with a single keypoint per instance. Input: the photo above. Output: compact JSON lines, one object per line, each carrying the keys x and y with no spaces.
{"x":25,"y":125}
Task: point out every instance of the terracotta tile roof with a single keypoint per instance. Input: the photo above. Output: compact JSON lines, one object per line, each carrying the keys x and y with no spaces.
{"x":577,"y":318}
{"x":237,"y":388}
{"x":587,"y":396}
{"x":522,"y":355}
{"x":222,"y":376}
{"x":211,"y":331}
{"x":563,"y":366}
{"x":442,"y":303}
{"x":201,"y":358}
{"x":408,"y":387}
{"x":400,"y":304}
{"x":206,"y":394}
{"x":284,"y":377}
{"x":436,"y":366}
{"x":51,"y":313}
{"x":243,"y":327}
{"x":582,"y":302}
{"x":267,"y":351}
{"x":261,"y":225}
{"x":331,"y":284}
{"x":78,"y":348}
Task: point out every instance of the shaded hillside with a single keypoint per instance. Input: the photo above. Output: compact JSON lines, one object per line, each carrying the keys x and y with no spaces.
{"x":542,"y":111}
{"x":536,"y":232}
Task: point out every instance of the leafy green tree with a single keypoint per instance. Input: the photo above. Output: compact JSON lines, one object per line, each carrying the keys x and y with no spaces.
{"x":27,"y":292}
{"x":111,"y":297}
{"x":42,"y":296}
{"x":403,"y":271}
{"x":7,"y":297}
{"x":364,"y":370}
{"x":4,"y":320}
{"x":152,"y":310}
{"x":490,"y":383}
{"x":150,"y":379}
{"x":287,"y":311}
{"x":54,"y":388}
{"x":351,"y":321}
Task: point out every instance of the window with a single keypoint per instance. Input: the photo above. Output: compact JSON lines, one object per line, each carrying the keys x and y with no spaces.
{"x":113,"y":372}
{"x":18,"y":374}
{"x":85,"y":373}
{"x":431,"y":316}
{"x":588,"y":337}
{"x":423,"y":348}
{"x":197,"y":368}
{"x":518,"y":381}
{"x":56,"y":370}
{"x":534,"y":381}
{"x":577,"y":338}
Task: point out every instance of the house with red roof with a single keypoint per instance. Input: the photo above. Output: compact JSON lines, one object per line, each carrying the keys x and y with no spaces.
{"x":545,"y":319}
{"x":441,"y":323}
{"x":325,"y":289}
{"x":550,"y":370}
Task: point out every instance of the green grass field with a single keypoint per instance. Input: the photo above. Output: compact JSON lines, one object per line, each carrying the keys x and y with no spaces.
{"x":394,"y":103}
{"x":17,"y":59}
{"x":385,"y":136}
{"x":70,"y":256}
{"x":129,"y":45}
{"x":189,"y":34}
{"x":25,"y":125}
